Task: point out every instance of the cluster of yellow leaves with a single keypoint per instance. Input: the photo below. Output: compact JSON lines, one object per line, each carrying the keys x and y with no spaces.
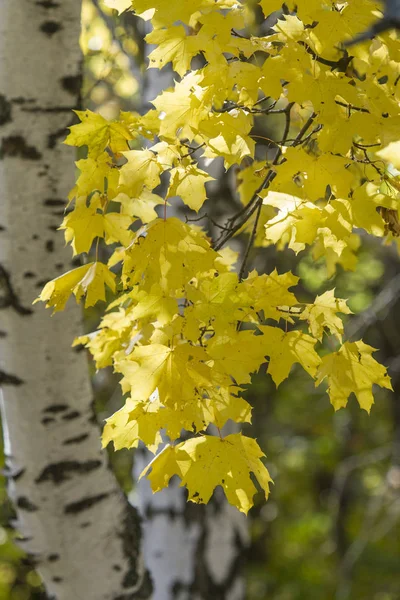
{"x":185,"y":331}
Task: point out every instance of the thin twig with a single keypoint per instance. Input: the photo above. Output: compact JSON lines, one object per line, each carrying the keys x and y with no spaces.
{"x":251,"y":242}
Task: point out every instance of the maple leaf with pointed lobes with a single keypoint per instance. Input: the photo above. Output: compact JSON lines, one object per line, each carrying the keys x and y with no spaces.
{"x":237,"y":353}
{"x":176,"y":371}
{"x":173,"y":45}
{"x":322,"y":315}
{"x":82,"y":226}
{"x":352,"y":370}
{"x":115,"y":333}
{"x":142,"y":207}
{"x":269,"y":292}
{"x":95,"y":132}
{"x":141,"y":170}
{"x":85,"y":223}
{"x":136,"y":421}
{"x":154,"y":305}
{"x":90,"y":279}
{"x":205,"y":462}
{"x":189,"y":183}
{"x":213,"y":301}
{"x":168,"y":252}
{"x":96,"y":175}
{"x":182,"y":109}
{"x":285,"y":349}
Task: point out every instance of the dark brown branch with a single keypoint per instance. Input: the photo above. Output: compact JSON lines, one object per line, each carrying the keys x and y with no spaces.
{"x":251,"y":242}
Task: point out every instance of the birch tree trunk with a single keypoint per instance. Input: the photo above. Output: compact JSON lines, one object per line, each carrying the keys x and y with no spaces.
{"x":194,"y":551}
{"x":76,"y":524}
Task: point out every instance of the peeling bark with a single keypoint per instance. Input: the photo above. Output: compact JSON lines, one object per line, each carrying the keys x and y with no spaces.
{"x":75,"y":522}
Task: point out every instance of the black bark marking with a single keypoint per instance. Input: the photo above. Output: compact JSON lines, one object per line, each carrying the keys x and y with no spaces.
{"x":54,"y":137}
{"x":18,"y":474}
{"x":117,"y":568}
{"x":10,"y":379}
{"x":49,"y":246}
{"x":71,"y":416}
{"x":203,"y":583}
{"x":85,"y":525}
{"x":53,"y":557}
{"x":131,"y":539}
{"x":22,"y":100}
{"x":5,"y":110}
{"x":47,"y":4}
{"x":15,"y":145}
{"x":9,"y":298}
{"x":59,"y":265}
{"x":56,"y":408}
{"x":3,"y":334}
{"x":2,"y":228}
{"x":35,"y":236}
{"x":150,"y":512}
{"x":54,"y":202}
{"x":76,"y":507}
{"x":63,"y":471}
{"x":50,"y":109}
{"x":25,"y":540}
{"x":57,"y":579}
{"x":76,"y":440}
{"x":79,"y":348}
{"x":72,"y":84}
{"x":25,"y":504}
{"x":41,"y":283}
{"x":15,"y":475}
{"x":50,"y":27}
{"x":29,"y":275}
{"x":47,"y":421}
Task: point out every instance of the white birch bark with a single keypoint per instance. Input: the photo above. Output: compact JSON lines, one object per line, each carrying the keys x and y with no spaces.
{"x":82,"y":534}
{"x":194,"y":552}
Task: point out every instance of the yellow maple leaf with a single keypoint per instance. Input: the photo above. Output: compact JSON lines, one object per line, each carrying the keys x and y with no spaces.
{"x":93,"y":284}
{"x":284,"y":349}
{"x":135,"y":421}
{"x":269,"y":292}
{"x":168,"y":252}
{"x":188,"y":183}
{"x":155,"y":305}
{"x":322,"y":315}
{"x":352,"y":370}
{"x":176,"y":371}
{"x":85,"y":223}
{"x":237,"y":353}
{"x":181,"y":110}
{"x":173,"y":45}
{"x":141,"y":170}
{"x":142,"y":207}
{"x":119,"y":5}
{"x":95,"y":132}
{"x":205,"y":462}
{"x":82,"y":226}
{"x":391,"y":153}
{"x":89,"y":279}
{"x":96,"y":175}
